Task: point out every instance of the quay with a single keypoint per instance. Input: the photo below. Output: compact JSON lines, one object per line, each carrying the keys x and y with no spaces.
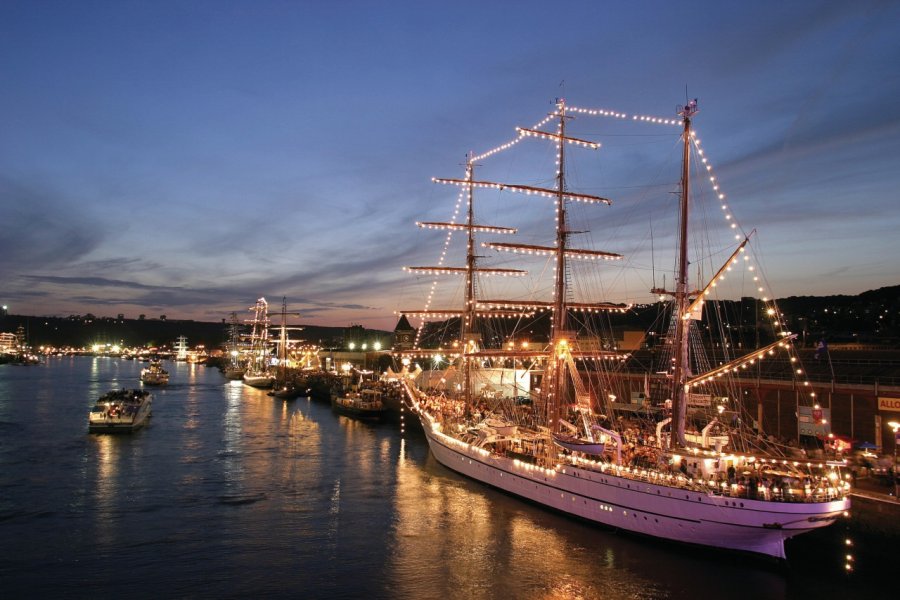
{"x":874,"y":508}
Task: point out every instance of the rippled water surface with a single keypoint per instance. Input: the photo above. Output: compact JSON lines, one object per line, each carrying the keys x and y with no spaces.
{"x":230,"y":493}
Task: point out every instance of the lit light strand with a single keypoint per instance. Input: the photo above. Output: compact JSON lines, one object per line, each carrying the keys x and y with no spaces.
{"x":449,"y":314}
{"x":464,"y":227}
{"x":714,"y":281}
{"x":557,"y":138}
{"x":739,"y":363}
{"x":525,"y":189}
{"x":767,"y":298}
{"x":551,"y":251}
{"x":538,"y":305}
{"x":465,"y":270}
{"x":599,"y":112}
{"x":513,"y":142}
{"x":430,"y":297}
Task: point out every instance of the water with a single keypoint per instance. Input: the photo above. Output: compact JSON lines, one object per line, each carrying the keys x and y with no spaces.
{"x":230,"y":493}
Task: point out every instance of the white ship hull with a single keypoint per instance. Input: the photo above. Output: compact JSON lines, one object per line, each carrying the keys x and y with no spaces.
{"x":643,"y":507}
{"x":259,"y":381}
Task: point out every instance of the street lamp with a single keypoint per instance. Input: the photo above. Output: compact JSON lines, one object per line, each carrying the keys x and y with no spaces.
{"x":895,"y":426}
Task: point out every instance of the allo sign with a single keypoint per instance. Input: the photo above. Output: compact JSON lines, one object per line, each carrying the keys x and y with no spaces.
{"x":889,"y":404}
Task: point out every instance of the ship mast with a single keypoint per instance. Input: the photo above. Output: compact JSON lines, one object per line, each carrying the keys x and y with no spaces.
{"x":259,"y":337}
{"x":682,"y":318}
{"x":476,"y":308}
{"x":559,"y":336}
{"x":467,"y":327}
{"x":283,"y":337}
{"x":561,"y":351}
{"x":469,"y":338}
{"x":559,"y":316}
{"x":234,"y":340}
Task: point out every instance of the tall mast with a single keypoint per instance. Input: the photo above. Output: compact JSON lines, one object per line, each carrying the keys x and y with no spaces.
{"x":682,"y":319}
{"x":468,"y":318}
{"x":282,"y":350}
{"x":476,"y":308}
{"x":469,"y":337}
{"x":234,"y":335}
{"x":559,"y":301}
{"x":559,"y":316}
{"x":283,"y":337}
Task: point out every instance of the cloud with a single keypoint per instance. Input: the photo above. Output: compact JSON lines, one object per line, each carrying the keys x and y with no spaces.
{"x":41,"y":229}
{"x":93,"y":282}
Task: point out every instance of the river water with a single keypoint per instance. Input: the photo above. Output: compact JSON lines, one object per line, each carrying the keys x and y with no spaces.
{"x":229,"y":493}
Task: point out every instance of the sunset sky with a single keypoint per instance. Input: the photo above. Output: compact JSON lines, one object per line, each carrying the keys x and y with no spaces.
{"x":185,"y":158}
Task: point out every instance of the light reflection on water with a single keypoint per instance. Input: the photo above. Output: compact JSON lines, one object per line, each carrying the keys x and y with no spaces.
{"x":229,"y":492}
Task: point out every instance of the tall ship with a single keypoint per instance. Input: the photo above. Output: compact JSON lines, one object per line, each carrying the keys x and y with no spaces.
{"x":287,"y":384}
{"x":181,"y":349}
{"x":257,"y":370}
{"x":234,"y":368}
{"x":525,"y":391}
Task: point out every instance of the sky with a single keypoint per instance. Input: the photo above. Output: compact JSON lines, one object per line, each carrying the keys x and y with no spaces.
{"x":186,"y":158}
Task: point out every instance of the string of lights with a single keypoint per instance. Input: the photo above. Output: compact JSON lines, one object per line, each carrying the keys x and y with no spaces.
{"x":525,"y":189}
{"x":550,"y":250}
{"x":770,"y":309}
{"x":443,"y":256}
{"x":599,"y":112}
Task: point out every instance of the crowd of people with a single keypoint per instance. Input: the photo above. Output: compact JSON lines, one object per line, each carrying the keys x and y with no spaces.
{"x":642,"y":457}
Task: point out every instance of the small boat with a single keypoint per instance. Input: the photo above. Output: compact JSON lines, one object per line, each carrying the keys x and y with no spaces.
{"x":233,"y":373}
{"x":154,"y":374}
{"x":365,"y":405}
{"x":288,"y":391}
{"x":576,"y":444}
{"x":197,"y":357}
{"x":120,"y":411}
{"x":259,"y":380}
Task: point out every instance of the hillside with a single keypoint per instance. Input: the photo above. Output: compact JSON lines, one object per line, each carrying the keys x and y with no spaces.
{"x":80,"y":331}
{"x":870,"y":317}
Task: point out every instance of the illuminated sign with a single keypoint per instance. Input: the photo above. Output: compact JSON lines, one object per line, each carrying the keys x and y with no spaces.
{"x":814,"y":420}
{"x":889,"y":404}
